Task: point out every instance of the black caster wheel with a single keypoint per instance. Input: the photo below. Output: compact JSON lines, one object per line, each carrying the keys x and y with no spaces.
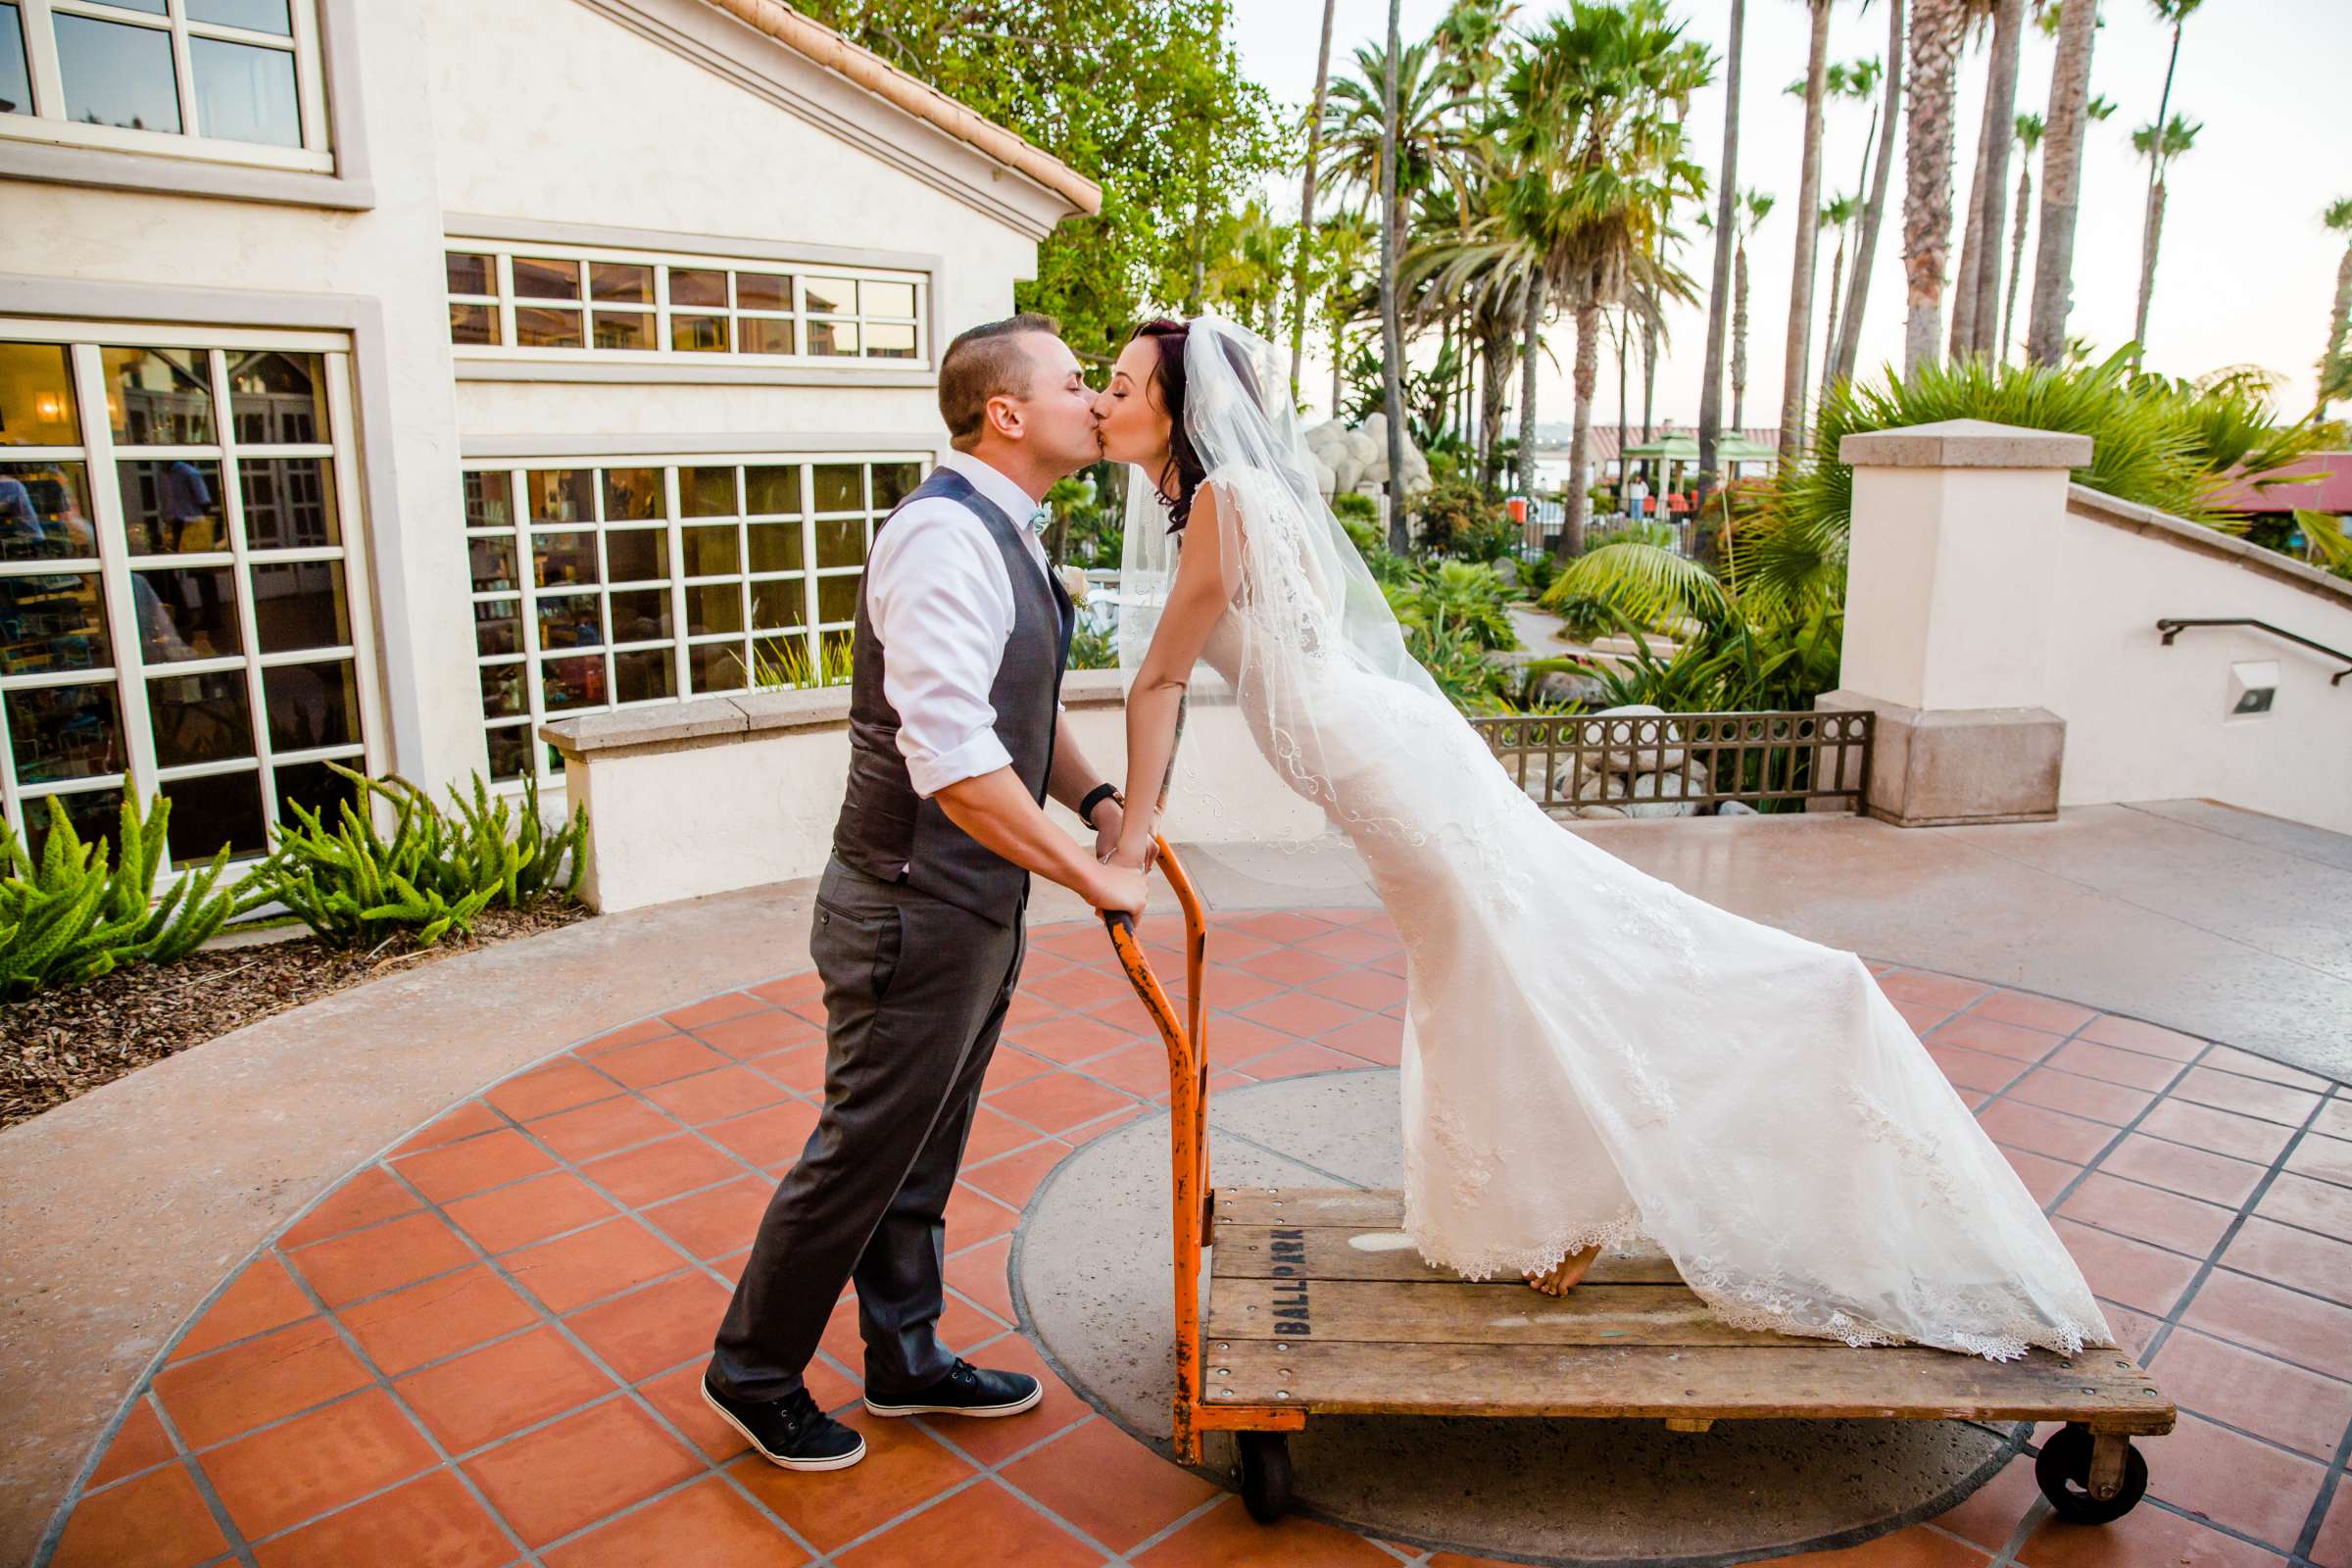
{"x":2064,"y":1471}
{"x":1265,"y":1474}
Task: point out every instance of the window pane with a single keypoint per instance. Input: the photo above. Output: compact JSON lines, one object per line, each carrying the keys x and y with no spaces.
{"x":716,"y":667}
{"x":894,"y":482}
{"x":620,"y":282}
{"x":117,"y":74}
{"x":632,"y":495}
{"x":837,"y":597}
{"x":559,"y":495}
{"x":278,"y":399}
{"x":763,"y":334}
{"x":299,"y":604}
{"x":538,"y":327}
{"x":778,"y":604}
{"x":186,"y":612}
{"x":830,"y":295}
{"x":200,"y":719}
{"x":311,"y":706}
{"x":207,"y":812}
{"x":289,"y":502}
{"x":762,"y":291}
{"x":96,"y":816}
{"x":36,"y":391}
{"x":504,"y":692}
{"x":44,"y":512}
{"x":707,"y":492}
{"x":159,"y":397}
{"x":840,"y":487}
{"x":714,"y":607}
{"x":510,"y":753}
{"x":52,"y":623}
{"x":318,"y":787}
{"x":698,"y":334}
{"x":471,"y":273}
{"x":643,"y":676}
{"x":562,"y":559}
{"x":697,"y":285}
{"x":772,"y":491}
{"x":636,"y":555}
{"x":255,"y":16}
{"x":172,"y":507}
{"x":774,"y":546}
{"x":832,"y":338}
{"x":62,"y":732}
{"x":639,"y":615}
{"x":493,"y":564}
{"x":567,"y":683}
{"x":888,"y":342}
{"x":472,"y":324}
{"x":571,"y":620}
{"x":885,"y":299}
{"x":488,"y":500}
{"x":624,"y":329}
{"x":15,"y":87}
{"x":537,"y":280}
{"x":245,"y":93}
{"x":711,"y":551}
{"x":498,"y":627}
{"x":841,"y":542}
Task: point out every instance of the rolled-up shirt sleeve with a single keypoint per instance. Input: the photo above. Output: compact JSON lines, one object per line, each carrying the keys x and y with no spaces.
{"x":941,"y":607}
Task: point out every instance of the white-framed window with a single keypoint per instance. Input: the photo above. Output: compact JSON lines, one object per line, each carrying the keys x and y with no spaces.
{"x":183,"y":607}
{"x":616,"y":581}
{"x":569,"y":302}
{"x":224,"y":81}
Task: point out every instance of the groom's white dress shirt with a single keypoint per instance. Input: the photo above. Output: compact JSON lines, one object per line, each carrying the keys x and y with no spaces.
{"x":941,"y":603}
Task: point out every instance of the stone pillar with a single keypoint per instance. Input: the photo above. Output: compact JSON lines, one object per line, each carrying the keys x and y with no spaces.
{"x":1949,"y":618}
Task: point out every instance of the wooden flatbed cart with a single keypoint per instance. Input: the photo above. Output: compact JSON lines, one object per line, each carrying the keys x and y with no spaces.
{"x":1319,"y":1305}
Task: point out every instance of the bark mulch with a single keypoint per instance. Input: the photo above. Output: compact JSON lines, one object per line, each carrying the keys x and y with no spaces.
{"x":56,"y":1045}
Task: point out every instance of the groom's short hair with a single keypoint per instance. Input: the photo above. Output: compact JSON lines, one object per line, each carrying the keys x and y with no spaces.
{"x":986,"y":361}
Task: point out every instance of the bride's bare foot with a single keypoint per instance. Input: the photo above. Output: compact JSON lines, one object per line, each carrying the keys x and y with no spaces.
{"x":1565,"y":1273}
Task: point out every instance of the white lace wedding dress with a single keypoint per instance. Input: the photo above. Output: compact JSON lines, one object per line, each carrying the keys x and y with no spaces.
{"x":1591,"y":1055}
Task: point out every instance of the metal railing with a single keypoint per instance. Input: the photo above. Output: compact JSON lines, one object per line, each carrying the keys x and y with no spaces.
{"x":2171,"y":626}
{"x":1564,"y":761}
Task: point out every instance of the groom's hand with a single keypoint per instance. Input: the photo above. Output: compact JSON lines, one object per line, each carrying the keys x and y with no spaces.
{"x":1118,"y":888}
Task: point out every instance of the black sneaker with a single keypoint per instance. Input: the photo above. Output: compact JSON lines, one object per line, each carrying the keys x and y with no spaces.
{"x":791,"y":1432}
{"x":966,"y":1389}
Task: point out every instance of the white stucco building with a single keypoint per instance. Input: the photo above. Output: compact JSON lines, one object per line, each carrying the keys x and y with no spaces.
{"x":377,"y":382}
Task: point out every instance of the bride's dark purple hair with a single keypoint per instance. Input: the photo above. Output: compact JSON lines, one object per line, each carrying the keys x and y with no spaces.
{"x":1168,"y":338}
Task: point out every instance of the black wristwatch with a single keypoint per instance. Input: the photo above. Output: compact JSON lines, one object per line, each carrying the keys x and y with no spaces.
{"x":1094,"y":798}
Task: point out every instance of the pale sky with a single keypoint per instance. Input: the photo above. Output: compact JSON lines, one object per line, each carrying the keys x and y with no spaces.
{"x":2246,"y":273}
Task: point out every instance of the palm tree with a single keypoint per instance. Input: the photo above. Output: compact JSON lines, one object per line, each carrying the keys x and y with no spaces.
{"x":1487,"y":268}
{"x":1754,"y":207}
{"x":1719,"y":289}
{"x":1798,"y":357}
{"x":2175,"y":15}
{"x":1979,"y":281}
{"x":1936,"y":28}
{"x":1866,"y":251}
{"x":1306,"y":200}
{"x":1349,"y":242}
{"x":2159,"y":146}
{"x":1838,"y":214}
{"x":2061,"y":177}
{"x":1430,"y":137}
{"x":2333,"y":364}
{"x":1602,"y":161}
{"x":1857,"y":82}
{"x":1391,"y":336}
{"x":2029,"y":139}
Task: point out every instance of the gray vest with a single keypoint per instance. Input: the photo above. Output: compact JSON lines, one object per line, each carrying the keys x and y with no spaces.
{"x":884,"y":825}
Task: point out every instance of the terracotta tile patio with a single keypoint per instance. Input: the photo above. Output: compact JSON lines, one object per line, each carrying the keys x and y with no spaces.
{"x":482,"y":1348}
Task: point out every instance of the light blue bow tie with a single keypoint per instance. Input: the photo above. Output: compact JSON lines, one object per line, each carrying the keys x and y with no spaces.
{"x":1039,"y":519}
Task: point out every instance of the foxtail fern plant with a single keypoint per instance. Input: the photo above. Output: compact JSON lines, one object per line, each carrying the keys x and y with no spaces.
{"x":73,"y":918}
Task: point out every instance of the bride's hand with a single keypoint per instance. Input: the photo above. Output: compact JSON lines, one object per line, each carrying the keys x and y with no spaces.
{"x":1133,"y":858}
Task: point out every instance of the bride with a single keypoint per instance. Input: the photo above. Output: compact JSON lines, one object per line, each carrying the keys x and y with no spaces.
{"x":1590,"y":1056}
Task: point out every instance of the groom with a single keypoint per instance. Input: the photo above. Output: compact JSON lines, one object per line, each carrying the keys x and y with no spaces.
{"x":961,"y":637}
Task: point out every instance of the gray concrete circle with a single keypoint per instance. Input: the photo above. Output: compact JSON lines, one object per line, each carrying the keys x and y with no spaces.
{"x":1091,"y":1276}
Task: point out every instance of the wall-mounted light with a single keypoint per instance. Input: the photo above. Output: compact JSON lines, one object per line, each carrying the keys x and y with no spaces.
{"x":48,"y":408}
{"x":2252,"y":686}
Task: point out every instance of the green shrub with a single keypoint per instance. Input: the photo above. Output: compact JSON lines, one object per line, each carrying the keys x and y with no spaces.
{"x":1470,"y":598}
{"x":429,"y":874}
{"x":71,"y":918}
{"x":1349,"y":506}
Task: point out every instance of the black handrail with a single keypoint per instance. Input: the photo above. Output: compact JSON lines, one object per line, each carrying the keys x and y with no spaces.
{"x":2172,"y":628}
